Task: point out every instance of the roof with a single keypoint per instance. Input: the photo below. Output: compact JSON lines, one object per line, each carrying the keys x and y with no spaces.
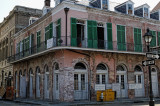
{"x":124,"y":3}
{"x":157,"y":7}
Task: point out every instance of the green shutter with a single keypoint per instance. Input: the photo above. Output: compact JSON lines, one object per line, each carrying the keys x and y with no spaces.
{"x":121,"y":38}
{"x":94,"y":32}
{"x":137,"y":40}
{"x":90,"y":37}
{"x":73,"y":32}
{"x":109,"y":36}
{"x":153,"y":42}
{"x":51,"y":30}
{"x":59,"y":32}
{"x":158,"y":38}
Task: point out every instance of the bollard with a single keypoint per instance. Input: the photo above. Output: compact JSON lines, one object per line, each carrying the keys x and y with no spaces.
{"x":101,"y":97}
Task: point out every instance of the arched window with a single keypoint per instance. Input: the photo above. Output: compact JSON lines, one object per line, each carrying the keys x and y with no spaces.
{"x":80,"y":66}
{"x":138,"y":74}
{"x":101,"y":74}
{"x":153,"y":70}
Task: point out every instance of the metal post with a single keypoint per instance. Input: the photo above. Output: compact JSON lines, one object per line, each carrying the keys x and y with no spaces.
{"x":151,"y":101}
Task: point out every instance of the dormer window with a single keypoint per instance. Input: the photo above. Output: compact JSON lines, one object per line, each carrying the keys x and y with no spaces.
{"x":103,"y":4}
{"x":126,"y":7}
{"x":142,"y":11}
{"x":130,"y":9}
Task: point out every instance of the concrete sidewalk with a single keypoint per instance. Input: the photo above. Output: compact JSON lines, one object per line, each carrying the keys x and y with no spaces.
{"x":80,"y":103}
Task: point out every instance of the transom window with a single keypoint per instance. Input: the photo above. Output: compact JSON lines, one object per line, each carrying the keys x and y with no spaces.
{"x":120,"y":68}
{"x":80,"y":66}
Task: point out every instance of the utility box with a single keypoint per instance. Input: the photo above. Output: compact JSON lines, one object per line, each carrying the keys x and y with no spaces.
{"x":107,"y":95}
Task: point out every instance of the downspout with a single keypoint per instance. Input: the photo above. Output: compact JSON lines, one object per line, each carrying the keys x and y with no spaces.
{"x":66,"y":12}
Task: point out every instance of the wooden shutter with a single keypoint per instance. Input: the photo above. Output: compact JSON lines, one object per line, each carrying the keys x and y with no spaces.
{"x":90,"y":37}
{"x":109,"y":36}
{"x":73,"y":32}
{"x":158,"y":38}
{"x":51,"y":30}
{"x":137,"y":40}
{"x":121,"y":38}
{"x":94,"y":32}
{"x":59,"y":31}
{"x":153,"y":42}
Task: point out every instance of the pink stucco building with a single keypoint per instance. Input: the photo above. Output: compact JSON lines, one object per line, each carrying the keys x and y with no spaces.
{"x":74,"y":50}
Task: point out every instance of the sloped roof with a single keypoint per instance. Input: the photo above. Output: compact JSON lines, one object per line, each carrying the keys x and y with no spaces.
{"x":157,"y":7}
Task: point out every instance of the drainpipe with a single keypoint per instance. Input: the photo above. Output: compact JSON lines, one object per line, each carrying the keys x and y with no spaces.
{"x":66,"y":12}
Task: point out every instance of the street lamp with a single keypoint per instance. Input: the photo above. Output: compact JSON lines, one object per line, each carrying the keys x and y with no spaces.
{"x":148,"y":37}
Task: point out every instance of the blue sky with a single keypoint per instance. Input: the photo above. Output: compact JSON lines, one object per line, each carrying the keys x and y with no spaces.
{"x":7,"y":5}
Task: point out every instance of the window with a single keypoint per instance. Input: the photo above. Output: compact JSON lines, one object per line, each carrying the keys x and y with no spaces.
{"x":97,"y":79}
{"x":56,"y":81}
{"x":80,"y":66}
{"x":122,"y":81}
{"x":130,"y":9}
{"x":75,"y":81}
{"x":121,"y":41}
{"x":101,"y":74}
{"x":145,"y":12}
{"x":104,"y":4}
{"x":82,"y":81}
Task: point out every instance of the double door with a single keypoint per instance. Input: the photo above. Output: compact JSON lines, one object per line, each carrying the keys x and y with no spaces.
{"x":80,"y":86}
{"x":122,"y":81}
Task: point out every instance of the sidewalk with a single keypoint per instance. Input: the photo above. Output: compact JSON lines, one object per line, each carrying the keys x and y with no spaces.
{"x":80,"y":103}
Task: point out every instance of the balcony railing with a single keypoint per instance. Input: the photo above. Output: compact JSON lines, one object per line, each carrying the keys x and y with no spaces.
{"x":80,"y":43}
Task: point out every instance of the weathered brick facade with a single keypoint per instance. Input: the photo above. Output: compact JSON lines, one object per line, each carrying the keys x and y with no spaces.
{"x":61,"y":82}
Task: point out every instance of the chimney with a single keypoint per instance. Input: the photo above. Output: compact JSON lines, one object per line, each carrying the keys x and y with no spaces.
{"x":47,"y":3}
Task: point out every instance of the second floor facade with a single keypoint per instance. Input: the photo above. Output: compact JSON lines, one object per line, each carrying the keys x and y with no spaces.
{"x":86,"y":29}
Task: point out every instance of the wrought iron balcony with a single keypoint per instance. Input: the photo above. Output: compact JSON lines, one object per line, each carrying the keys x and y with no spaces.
{"x":79,"y":43}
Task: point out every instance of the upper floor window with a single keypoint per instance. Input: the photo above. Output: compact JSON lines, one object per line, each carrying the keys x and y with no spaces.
{"x":130,"y":9}
{"x":104,"y":4}
{"x":146,"y":12}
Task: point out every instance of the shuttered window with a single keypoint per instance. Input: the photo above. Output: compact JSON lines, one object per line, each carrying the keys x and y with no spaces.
{"x":137,"y":40}
{"x":153,"y":41}
{"x":121,"y":42}
{"x":73,"y":32}
{"x":92,"y":34}
{"x":109,"y":36}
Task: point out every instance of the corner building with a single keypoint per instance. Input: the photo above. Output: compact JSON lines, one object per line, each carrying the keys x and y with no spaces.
{"x":67,"y":60}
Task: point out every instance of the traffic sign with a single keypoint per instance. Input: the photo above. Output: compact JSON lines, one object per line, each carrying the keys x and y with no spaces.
{"x":152,"y":56}
{"x":148,"y":62}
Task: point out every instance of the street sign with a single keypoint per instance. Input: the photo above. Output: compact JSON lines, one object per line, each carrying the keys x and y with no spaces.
{"x":148,"y":62}
{"x":152,"y":56}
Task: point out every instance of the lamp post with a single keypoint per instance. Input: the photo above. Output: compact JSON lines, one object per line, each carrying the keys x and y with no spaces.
{"x":148,"y":37}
